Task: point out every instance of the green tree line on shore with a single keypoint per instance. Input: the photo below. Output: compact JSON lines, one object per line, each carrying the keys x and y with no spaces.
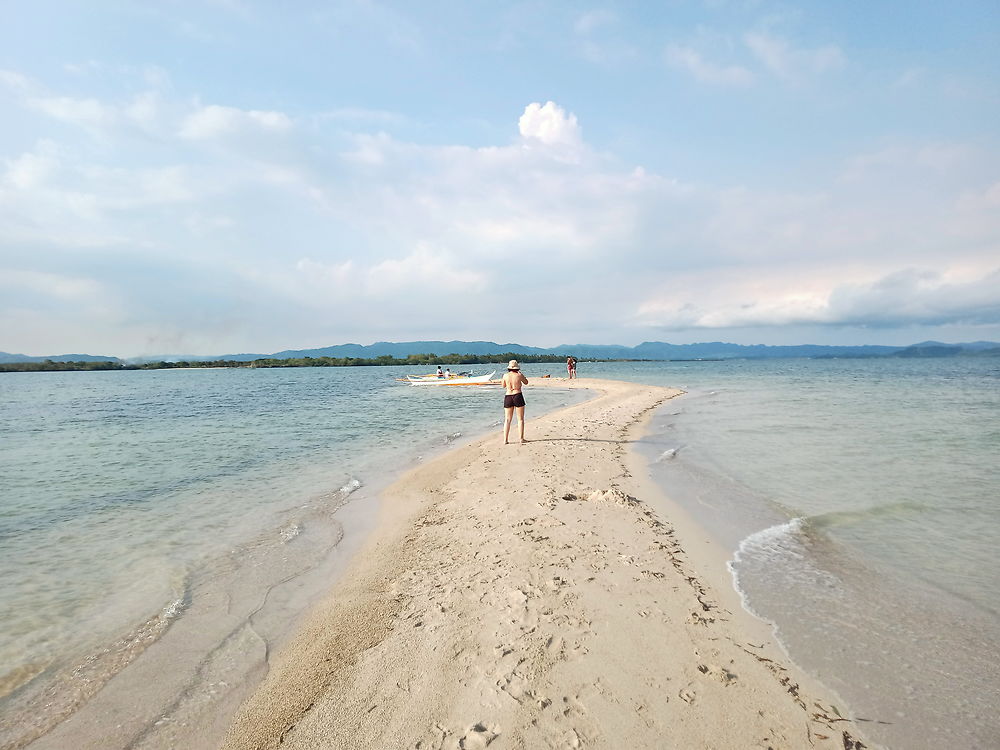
{"x":413,"y":360}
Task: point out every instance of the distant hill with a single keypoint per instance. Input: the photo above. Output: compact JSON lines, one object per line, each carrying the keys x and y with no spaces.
{"x":405,"y":349}
{"x":653,"y":350}
{"x":6,"y":357}
{"x":970,"y":346}
{"x":649,"y":350}
{"x":935,"y":349}
{"x":930,"y":349}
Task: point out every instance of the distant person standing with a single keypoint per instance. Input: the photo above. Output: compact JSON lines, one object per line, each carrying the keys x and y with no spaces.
{"x":513,"y":399}
{"x":571,"y":367}
{"x":440,"y":372}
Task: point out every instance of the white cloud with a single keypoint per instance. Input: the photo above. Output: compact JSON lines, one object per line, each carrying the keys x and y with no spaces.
{"x":792,"y":63}
{"x":426,"y":269}
{"x":147,"y":112}
{"x":413,"y":287}
{"x":14,"y":80}
{"x":214,"y":120}
{"x":82,"y":112}
{"x":382,"y":24}
{"x":705,"y":71}
{"x":83,"y":68}
{"x":202,"y":225}
{"x":893,"y":159}
{"x":902,"y":298}
{"x":524,"y":230}
{"x":918,"y":296}
{"x":598,"y":38}
{"x":550,"y":125}
{"x":61,"y":286}
{"x":145,"y":109}
{"x":592,"y":20}
{"x":31,"y":170}
{"x":987,"y":199}
{"x":336,"y":275}
{"x":369,"y":149}
{"x":368,"y":227}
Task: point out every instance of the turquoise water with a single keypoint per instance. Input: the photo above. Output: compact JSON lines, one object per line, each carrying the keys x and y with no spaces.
{"x":860,"y":501}
{"x":190,"y":515}
{"x":141,"y":505}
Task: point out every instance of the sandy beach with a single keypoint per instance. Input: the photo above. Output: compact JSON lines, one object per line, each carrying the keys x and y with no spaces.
{"x":533,"y":596}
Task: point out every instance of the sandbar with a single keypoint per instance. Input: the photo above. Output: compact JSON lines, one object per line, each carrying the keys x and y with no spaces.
{"x":531,"y":596}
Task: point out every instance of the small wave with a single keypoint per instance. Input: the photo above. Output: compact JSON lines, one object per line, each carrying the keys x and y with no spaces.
{"x":668,"y":454}
{"x":778,"y":538}
{"x":452,"y":437}
{"x":174,"y":609}
{"x":289,"y":532}
{"x":352,"y":486}
{"x":764,"y":543}
{"x":339,"y":496}
{"x":778,"y":547}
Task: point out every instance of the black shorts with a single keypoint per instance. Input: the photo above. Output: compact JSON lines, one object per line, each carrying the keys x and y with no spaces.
{"x":513,"y":399}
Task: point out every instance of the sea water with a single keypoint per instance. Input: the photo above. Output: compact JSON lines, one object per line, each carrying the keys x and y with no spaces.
{"x":161,"y":530}
{"x":185,"y":517}
{"x":859,"y":503}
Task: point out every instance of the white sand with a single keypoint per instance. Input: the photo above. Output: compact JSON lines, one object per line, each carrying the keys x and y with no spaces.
{"x":526,"y":597}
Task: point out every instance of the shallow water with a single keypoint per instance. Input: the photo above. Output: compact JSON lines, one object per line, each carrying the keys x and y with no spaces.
{"x":197,"y":511}
{"x":860,"y":501}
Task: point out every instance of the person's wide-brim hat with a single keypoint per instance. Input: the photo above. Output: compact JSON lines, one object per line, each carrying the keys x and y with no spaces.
{"x":513,"y":365}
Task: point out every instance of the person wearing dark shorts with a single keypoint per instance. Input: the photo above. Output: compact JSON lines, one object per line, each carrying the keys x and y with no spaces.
{"x":513,"y":400}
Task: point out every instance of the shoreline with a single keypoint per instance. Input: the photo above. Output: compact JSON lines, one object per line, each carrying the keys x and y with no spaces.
{"x":181,"y":685}
{"x":534,"y":595}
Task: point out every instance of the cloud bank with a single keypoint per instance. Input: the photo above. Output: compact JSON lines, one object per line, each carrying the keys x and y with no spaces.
{"x":162,"y":219}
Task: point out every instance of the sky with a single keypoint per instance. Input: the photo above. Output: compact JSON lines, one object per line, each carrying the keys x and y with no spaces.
{"x":235,"y":176}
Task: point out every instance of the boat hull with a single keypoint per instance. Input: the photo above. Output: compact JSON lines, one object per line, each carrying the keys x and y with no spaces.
{"x":478,"y":380}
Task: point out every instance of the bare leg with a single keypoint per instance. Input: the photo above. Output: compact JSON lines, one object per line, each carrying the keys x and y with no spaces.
{"x":508,"y":414}
{"x":520,"y":423}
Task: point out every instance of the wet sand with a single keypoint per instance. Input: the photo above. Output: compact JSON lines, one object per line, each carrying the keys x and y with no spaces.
{"x":527,"y":596}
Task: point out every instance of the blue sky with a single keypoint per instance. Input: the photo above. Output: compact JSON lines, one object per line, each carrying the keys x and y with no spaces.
{"x":214,"y":177}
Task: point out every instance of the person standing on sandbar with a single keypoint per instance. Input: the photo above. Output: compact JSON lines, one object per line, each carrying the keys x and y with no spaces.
{"x":513,"y":399}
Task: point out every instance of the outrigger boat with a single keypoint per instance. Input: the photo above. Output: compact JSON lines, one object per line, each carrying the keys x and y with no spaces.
{"x":454,"y":380}
{"x":431,"y":376}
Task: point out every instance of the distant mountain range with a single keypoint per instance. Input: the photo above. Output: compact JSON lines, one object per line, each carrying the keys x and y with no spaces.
{"x":6,"y":357}
{"x":653,"y":350}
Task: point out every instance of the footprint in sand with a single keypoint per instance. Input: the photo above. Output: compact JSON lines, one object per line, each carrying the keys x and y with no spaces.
{"x":572,"y":708}
{"x":478,"y":736}
{"x":721,"y":674}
